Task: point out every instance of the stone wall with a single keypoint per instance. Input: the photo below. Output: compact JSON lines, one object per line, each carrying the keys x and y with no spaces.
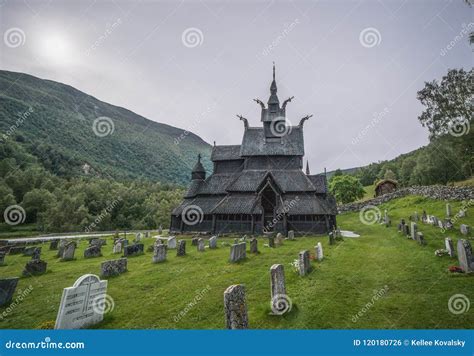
{"x":439,"y":192}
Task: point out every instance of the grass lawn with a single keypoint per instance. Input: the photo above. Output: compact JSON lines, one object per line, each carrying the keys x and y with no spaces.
{"x":353,"y":271}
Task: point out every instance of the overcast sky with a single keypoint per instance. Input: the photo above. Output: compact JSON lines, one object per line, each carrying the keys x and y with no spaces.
{"x":355,"y":65}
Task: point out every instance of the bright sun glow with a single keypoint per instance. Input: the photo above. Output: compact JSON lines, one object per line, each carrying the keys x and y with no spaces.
{"x":56,"y":48}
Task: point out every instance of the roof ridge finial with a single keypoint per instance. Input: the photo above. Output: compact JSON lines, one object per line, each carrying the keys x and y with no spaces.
{"x":307,"y":168}
{"x":199,"y":157}
{"x":273,"y":70}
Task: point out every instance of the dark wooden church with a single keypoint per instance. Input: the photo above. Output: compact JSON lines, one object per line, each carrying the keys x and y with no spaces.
{"x":258,"y":186}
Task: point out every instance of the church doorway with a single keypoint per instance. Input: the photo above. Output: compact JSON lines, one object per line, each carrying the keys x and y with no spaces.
{"x":269,"y":202}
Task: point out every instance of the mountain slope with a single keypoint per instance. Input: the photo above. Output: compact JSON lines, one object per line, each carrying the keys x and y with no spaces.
{"x":55,"y":122}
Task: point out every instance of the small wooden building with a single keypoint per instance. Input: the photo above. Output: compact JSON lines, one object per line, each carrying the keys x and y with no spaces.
{"x":385,"y":186}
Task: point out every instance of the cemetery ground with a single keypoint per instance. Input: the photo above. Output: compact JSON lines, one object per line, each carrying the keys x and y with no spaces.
{"x":412,"y":284}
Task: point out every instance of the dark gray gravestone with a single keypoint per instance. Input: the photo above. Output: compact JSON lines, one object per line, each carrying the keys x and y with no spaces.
{"x":7,"y":289}
{"x":53,"y":245}
{"x":68,"y":251}
{"x":304,"y":265}
{"x":2,"y":257}
{"x":448,"y":242}
{"x":159,"y":253}
{"x":181,"y":250}
{"x":200,"y":245}
{"x":16,"y":250}
{"x":213,"y":242}
{"x":35,"y":267}
{"x":253,"y":245}
{"x":62,"y":245}
{"x":271,"y":241}
{"x":194,"y":241}
{"x":420,"y":238}
{"x":28,"y":251}
{"x":113,"y":267}
{"x":92,"y":251}
{"x":465,"y":257}
{"x":235,"y":307}
{"x":238,"y":252}
{"x":36,"y":254}
{"x":133,"y":250}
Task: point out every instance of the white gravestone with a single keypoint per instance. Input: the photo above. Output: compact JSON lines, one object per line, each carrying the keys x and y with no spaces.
{"x":82,"y":304}
{"x":172,"y":242}
{"x":319,"y":251}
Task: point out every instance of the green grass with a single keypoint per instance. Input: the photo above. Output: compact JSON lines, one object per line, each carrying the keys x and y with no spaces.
{"x":152,"y":295}
{"x":369,"y":192}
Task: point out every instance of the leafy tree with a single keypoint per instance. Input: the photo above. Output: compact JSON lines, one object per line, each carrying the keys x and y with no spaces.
{"x":448,"y":102}
{"x":346,"y":188}
{"x":389,"y":174}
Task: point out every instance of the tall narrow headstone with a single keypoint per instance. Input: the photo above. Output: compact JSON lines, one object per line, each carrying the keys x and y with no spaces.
{"x":271,"y":241}
{"x":420,"y":238}
{"x":159,"y":254}
{"x":181,"y":251}
{"x":117,"y":247}
{"x":235,"y":307}
{"x":2,"y":257}
{"x":304,"y":265}
{"x":194,"y":241}
{"x":424,"y":217}
{"x":253,"y":245}
{"x":279,"y":300}
{"x":448,"y":210}
{"x":465,"y":257}
{"x":319,"y":251}
{"x":82,"y":304}
{"x":413,"y":230}
{"x":62,"y":245}
{"x":448,"y":243}
{"x":291,"y":235}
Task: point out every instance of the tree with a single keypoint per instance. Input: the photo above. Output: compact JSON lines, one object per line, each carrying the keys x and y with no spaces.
{"x":448,"y":103}
{"x":346,"y":188}
{"x":406,"y":170}
{"x":389,"y":175}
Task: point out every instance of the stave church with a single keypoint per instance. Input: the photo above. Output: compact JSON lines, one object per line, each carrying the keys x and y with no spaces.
{"x":258,"y":186}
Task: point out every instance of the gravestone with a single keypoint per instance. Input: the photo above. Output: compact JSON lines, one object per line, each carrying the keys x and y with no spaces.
{"x":36,"y":254}
{"x":34,"y":268}
{"x":420,"y":238}
{"x":7,"y":289}
{"x":16,"y":250}
{"x":413,"y":230}
{"x":424,"y":217}
{"x":279,"y":239}
{"x":62,"y":245}
{"x":113,"y":267}
{"x":124,"y":242}
{"x":172,"y":242}
{"x":181,"y":251}
{"x":133,"y":250}
{"x":448,"y":210}
{"x":279,"y":300}
{"x":238,"y":251}
{"x":253,"y":245}
{"x":93,"y":251}
{"x":291,"y":235}
{"x":194,"y":241}
{"x":53,"y":245}
{"x":138,"y":237}
{"x":462,"y":213}
{"x":332,"y":238}
{"x":319,"y":251}
{"x":271,"y":241}
{"x":213,"y":242}
{"x":200,"y":245}
{"x":68,"y":251}
{"x":465,"y":229}
{"x":117,"y":247}
{"x":434,"y":220}
{"x":159,"y":253}
{"x":147,"y":234}
{"x":465,"y":257}
{"x":406,"y":230}
{"x":235,"y":307}
{"x":2,"y":257}
{"x":28,"y":251}
{"x":448,"y":243}
{"x":304,"y":265}
{"x":441,"y":224}
{"x":160,"y":230}
{"x":82,"y":305}
{"x":448,"y":224}
{"x":416,"y":217}
{"x":97,"y":242}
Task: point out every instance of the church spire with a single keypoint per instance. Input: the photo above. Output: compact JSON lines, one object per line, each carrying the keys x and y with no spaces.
{"x":307,"y":168}
{"x":198,"y":171}
{"x":273,"y":102}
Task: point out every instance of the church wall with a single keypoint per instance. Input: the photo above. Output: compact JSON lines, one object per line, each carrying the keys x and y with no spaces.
{"x":274,"y":162}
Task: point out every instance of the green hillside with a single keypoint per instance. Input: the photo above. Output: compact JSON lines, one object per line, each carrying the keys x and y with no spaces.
{"x":55,"y":122}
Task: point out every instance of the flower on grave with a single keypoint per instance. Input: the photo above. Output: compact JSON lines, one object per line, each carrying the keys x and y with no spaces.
{"x":455,"y":269}
{"x":295,"y":265}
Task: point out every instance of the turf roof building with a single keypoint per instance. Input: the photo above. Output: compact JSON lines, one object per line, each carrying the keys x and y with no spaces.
{"x":258,"y":186}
